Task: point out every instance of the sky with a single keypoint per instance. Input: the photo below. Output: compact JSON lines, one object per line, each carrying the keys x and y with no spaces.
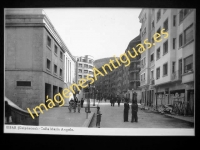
{"x":99,"y":32}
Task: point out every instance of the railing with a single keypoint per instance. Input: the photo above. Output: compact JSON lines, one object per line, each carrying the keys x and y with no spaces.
{"x":20,"y":116}
{"x":176,"y":75}
{"x":142,"y":82}
{"x":152,"y":81}
{"x":134,"y":79}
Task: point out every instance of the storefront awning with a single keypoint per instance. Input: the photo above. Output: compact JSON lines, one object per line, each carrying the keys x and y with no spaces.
{"x":177,"y":91}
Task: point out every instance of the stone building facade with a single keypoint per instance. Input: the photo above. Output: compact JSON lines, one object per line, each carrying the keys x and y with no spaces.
{"x":35,"y":58}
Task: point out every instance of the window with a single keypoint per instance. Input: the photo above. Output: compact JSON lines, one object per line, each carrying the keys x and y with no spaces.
{"x":90,"y":72}
{"x":188,"y":34}
{"x":152,"y":57}
{"x":48,"y":41}
{"x":55,"y":49}
{"x":158,"y":73}
{"x":23,"y":83}
{"x":152,"y":75}
{"x":183,"y":13}
{"x":174,"y":43}
{"x":79,"y":70}
{"x":152,"y":40}
{"x":90,"y":61}
{"x":80,"y":76}
{"x":83,"y":60}
{"x":173,"y":66}
{"x":165,"y":69}
{"x":152,"y":24}
{"x":165,"y":25}
{"x":60,"y":72}
{"x":85,"y":76}
{"x":55,"y":69}
{"x":188,"y":64}
{"x":141,"y":77}
{"x":159,"y":31}
{"x":61,"y":55}
{"x":80,"y":65}
{"x":180,"y":40}
{"x":144,"y":32}
{"x":174,"y":20}
{"x":85,"y":71}
{"x":86,"y":66}
{"x":158,"y":53}
{"x":158,"y":15}
{"x":90,"y":67}
{"x":144,"y":60}
{"x":165,"y":47}
{"x":48,"y":64}
{"x":144,"y":76}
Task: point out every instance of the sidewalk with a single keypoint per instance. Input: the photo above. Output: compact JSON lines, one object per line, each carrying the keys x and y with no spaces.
{"x":184,"y":118}
{"x":60,"y":116}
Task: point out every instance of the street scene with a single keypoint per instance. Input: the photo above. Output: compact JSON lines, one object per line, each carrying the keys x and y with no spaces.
{"x":97,"y":68}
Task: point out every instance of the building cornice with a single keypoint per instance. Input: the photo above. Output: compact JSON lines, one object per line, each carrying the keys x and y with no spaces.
{"x":38,"y":20}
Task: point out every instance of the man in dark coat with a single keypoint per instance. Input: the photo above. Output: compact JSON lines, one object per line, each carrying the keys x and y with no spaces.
{"x":118,"y":100}
{"x":134,"y":108}
{"x":126,"y":109}
{"x":82,"y":101}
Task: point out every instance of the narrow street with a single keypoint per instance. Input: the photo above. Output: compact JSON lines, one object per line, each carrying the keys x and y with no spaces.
{"x":112,"y":117}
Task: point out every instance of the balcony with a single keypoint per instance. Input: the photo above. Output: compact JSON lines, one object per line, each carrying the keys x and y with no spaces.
{"x":176,"y":75}
{"x":142,"y":82}
{"x":134,"y":79}
{"x":152,"y":82}
{"x":135,"y":60}
{"x":142,"y":65}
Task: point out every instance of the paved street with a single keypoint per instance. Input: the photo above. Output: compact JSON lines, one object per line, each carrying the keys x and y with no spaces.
{"x":60,"y":116}
{"x":112,"y":117}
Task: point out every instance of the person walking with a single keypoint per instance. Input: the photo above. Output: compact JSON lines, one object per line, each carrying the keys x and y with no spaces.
{"x":118,"y":100}
{"x":71,"y":103}
{"x":74,"y":106}
{"x":79,"y":106}
{"x":134,"y":108}
{"x":126,"y":110}
{"x":82,"y":101}
{"x":98,"y":117}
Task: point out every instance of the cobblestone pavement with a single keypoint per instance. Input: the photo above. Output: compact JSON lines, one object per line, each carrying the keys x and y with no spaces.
{"x":112,"y":117}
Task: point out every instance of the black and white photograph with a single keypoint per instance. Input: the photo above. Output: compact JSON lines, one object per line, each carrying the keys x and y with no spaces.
{"x":99,"y":71}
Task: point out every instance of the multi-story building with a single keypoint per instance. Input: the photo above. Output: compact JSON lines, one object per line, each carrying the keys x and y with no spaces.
{"x":37,"y":62}
{"x":85,"y":65}
{"x":167,"y":68}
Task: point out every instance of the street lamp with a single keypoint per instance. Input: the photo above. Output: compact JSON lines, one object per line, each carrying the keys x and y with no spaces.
{"x":94,"y":96}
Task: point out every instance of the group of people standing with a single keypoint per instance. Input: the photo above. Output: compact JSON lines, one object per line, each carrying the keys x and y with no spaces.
{"x":115,"y":99}
{"x":134,"y":108}
{"x":73,"y":104}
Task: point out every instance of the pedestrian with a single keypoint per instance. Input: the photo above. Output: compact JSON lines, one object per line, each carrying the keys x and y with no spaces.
{"x":8,"y":117}
{"x":126,"y":110}
{"x":71,"y":103}
{"x":118,"y":100}
{"x":134,"y":108}
{"x":82,"y":101}
{"x":76,"y":100}
{"x":98,"y":117}
{"x":74,"y":106}
{"x":79,"y":106}
{"x":111,"y":101}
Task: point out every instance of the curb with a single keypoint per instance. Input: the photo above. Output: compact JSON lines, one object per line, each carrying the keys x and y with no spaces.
{"x":179,"y":118}
{"x":88,"y":121}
